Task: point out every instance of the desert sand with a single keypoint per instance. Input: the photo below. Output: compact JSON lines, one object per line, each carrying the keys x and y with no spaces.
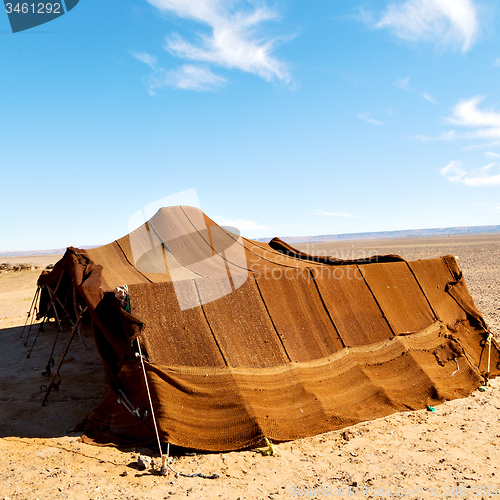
{"x":450,"y":453}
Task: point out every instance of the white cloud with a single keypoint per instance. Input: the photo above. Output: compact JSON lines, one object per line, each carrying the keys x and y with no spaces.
{"x":241,"y":224}
{"x":146,"y":58}
{"x":492,"y":180}
{"x":479,"y":177}
{"x":187,"y":77}
{"x":453,"y":171}
{"x":233,"y":41}
{"x":449,"y":135}
{"x":368,"y":118}
{"x":474,"y":147}
{"x":447,"y":22}
{"x":429,"y":98}
{"x":336,"y":214}
{"x":468,"y":114}
{"x":403,"y":83}
{"x":480,"y":123}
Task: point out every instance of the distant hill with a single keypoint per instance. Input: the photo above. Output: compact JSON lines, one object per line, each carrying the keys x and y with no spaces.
{"x":406,"y":233}
{"x":54,"y":251}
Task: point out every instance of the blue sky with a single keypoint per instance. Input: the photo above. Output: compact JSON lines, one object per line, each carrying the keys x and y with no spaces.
{"x":287,"y":117}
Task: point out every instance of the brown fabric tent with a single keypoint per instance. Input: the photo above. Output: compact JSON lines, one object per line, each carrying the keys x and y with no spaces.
{"x":245,"y":340}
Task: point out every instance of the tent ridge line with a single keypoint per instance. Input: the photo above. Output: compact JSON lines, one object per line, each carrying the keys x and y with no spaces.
{"x":311,"y":274}
{"x":208,"y":323}
{"x":271,"y":319}
{"x":210,"y":244}
{"x":422,"y":290}
{"x":165,"y":246}
{"x":376,"y":301}
{"x":125,"y":255}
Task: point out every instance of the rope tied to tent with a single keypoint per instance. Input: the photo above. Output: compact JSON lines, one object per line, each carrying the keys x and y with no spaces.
{"x":270,"y":450}
{"x":165,"y":458}
{"x":488,"y":343}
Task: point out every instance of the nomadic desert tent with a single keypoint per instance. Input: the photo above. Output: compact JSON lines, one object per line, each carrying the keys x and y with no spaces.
{"x":242,"y":340}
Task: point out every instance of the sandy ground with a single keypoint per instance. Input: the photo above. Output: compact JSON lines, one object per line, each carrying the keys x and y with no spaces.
{"x":17,"y":288}
{"x":450,"y":453}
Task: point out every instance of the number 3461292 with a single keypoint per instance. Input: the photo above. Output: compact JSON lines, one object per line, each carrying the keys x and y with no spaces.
{"x":34,"y":8}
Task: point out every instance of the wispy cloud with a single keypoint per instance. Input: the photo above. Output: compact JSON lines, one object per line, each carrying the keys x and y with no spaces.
{"x":479,"y":123}
{"x":336,"y":214}
{"x":451,"y":23}
{"x":449,"y":135}
{"x":467,"y":113}
{"x":233,"y":41}
{"x":151,"y":61}
{"x":475,"y":121}
{"x":429,"y":98}
{"x":368,"y":118}
{"x":187,"y":77}
{"x":453,"y":171}
{"x":403,"y":83}
{"x":484,"y":145}
{"x":479,"y":177}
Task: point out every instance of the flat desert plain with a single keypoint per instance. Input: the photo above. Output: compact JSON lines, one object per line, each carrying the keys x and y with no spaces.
{"x":450,"y":453}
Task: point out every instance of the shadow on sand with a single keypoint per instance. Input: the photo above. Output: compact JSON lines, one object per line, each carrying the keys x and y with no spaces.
{"x":22,"y":385}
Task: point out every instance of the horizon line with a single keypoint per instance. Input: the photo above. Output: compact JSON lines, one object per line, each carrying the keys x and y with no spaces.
{"x":403,"y":233}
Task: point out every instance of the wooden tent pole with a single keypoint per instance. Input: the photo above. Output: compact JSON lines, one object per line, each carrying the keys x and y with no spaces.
{"x":53,"y":385}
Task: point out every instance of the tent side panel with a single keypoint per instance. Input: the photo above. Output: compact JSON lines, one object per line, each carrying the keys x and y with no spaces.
{"x":350,"y":303}
{"x":399,"y":295}
{"x":229,"y":408}
{"x":299,"y":316}
{"x":433,"y":276}
{"x":241,"y":325}
{"x":170,"y":335}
